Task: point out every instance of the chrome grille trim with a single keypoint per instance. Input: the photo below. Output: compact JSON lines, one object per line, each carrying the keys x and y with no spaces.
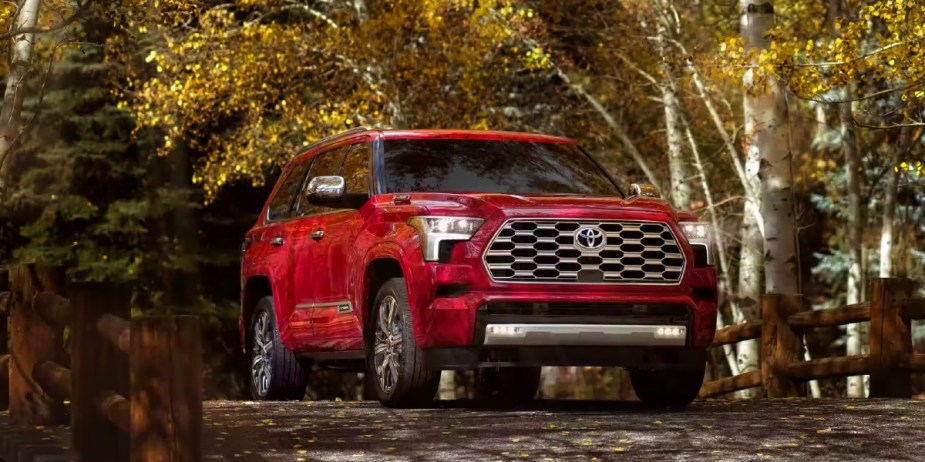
{"x":543,"y":250}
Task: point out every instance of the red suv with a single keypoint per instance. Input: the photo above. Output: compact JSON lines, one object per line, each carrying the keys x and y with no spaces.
{"x":404,"y":253}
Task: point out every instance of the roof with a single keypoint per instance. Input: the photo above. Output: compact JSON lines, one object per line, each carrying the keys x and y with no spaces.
{"x":474,"y":134}
{"x":433,"y":134}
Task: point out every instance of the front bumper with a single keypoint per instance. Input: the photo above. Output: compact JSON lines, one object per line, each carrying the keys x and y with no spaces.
{"x":632,"y":317}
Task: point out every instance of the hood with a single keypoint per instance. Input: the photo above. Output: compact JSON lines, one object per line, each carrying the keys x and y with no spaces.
{"x":486,"y":204}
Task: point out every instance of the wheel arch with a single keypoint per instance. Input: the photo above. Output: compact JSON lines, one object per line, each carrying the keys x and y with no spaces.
{"x":378,"y":271}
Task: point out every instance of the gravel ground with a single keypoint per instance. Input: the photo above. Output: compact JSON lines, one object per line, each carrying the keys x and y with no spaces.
{"x":788,"y":429}
{"x":824,"y":429}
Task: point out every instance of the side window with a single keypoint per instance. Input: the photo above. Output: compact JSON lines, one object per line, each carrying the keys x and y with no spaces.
{"x":281,"y":205}
{"x":326,"y":163}
{"x":356,"y":174}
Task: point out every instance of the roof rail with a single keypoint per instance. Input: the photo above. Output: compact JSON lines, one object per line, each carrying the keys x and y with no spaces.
{"x":335,"y":136}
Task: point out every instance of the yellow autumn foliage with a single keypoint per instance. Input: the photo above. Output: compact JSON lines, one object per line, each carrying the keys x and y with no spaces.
{"x":252,"y":83}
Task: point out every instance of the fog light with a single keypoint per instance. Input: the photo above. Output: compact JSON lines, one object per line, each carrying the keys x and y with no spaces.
{"x":669,"y":332}
{"x":505,"y":330}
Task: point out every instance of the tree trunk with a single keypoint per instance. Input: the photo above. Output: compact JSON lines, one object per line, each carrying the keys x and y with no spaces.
{"x":725,"y":282}
{"x":749,"y":294}
{"x":10,"y":125}
{"x":447,"y":390}
{"x":680,"y":189}
{"x":616,"y":126}
{"x":766,"y":132}
{"x":889,"y":203}
{"x":855,"y":235}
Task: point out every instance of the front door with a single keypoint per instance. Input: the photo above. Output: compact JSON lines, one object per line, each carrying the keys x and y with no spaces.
{"x":337,"y":326}
{"x":320,"y":275}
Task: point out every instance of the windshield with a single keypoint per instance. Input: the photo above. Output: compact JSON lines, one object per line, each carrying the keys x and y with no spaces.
{"x":491,"y":166}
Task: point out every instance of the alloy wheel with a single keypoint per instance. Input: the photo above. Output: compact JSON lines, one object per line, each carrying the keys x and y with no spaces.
{"x":261,"y":368}
{"x":388,"y":344}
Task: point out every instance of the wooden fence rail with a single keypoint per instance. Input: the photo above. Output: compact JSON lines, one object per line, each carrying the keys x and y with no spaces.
{"x":783,"y":319}
{"x":146,"y":409}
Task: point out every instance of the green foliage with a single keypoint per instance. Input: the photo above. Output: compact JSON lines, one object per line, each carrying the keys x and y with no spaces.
{"x":92,"y":199}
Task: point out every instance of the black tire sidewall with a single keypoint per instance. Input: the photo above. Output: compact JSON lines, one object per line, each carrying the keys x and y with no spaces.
{"x":667,"y":388}
{"x":385,"y":290}
{"x":406,"y":391}
{"x":262,"y":306}
{"x":281,"y":388}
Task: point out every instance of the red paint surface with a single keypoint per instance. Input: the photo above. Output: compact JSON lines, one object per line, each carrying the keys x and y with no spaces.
{"x":320,"y":273}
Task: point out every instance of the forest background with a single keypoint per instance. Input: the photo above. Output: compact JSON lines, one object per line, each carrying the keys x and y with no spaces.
{"x":140,"y":138}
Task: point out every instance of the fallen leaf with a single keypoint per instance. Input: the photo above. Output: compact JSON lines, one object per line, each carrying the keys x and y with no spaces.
{"x":826,"y":430}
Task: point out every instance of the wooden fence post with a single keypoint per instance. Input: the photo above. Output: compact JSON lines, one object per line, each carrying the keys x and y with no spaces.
{"x":166,"y":389}
{"x":97,"y":368}
{"x":890,"y":339}
{"x":33,"y":341}
{"x":780,"y":345}
{"x":5,"y":302}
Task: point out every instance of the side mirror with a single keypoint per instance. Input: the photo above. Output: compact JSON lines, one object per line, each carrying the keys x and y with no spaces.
{"x":326,"y":188}
{"x":644,"y":190}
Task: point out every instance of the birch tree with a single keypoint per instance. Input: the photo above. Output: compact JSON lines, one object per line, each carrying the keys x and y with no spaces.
{"x":889,"y":202}
{"x":680,"y":191}
{"x":13,"y":95}
{"x":855,"y":218}
{"x":766,"y":133}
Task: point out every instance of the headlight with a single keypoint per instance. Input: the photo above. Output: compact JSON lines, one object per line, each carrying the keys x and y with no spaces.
{"x":699,"y":235}
{"x":434,"y":230}
{"x":697,"y":232}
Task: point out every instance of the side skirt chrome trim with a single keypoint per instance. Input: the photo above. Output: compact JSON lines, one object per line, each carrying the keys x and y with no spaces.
{"x":343,"y":306}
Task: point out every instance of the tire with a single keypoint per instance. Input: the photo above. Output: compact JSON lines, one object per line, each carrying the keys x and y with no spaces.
{"x":514,"y":385}
{"x":286,"y":378}
{"x":391,"y":349}
{"x":667,"y":388}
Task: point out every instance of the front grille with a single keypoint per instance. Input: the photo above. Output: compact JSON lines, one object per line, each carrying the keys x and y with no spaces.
{"x":623,"y":252}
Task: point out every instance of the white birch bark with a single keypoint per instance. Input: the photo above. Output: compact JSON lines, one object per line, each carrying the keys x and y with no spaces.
{"x":447,"y":389}
{"x":889,"y":204}
{"x":855,"y":233}
{"x":616,"y":126}
{"x":10,"y":123}
{"x":725,"y":283}
{"x":680,"y":189}
{"x":766,"y":132}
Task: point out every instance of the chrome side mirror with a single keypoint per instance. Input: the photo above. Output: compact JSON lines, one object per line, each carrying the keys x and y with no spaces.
{"x":644,"y":190}
{"x":326,"y":188}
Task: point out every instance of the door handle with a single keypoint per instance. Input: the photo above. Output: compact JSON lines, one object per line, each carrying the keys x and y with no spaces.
{"x":277,"y":241}
{"x":317,"y":234}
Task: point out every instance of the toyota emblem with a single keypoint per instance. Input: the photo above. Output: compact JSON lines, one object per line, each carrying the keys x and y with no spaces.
{"x":589,"y":237}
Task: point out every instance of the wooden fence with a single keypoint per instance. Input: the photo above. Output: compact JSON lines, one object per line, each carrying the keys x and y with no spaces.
{"x":129,"y":388}
{"x":783,"y":319}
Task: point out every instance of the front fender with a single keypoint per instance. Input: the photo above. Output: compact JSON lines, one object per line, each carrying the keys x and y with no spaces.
{"x":405,"y":249}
